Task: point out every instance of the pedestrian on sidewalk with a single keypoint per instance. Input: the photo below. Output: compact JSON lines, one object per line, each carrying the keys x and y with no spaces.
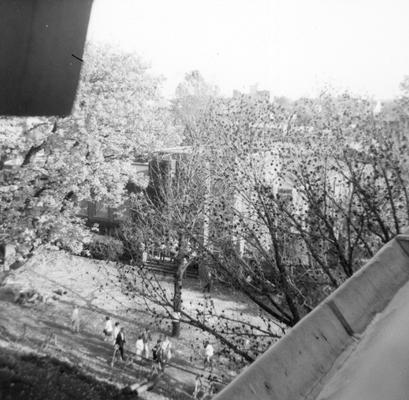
{"x":209,"y":283}
{"x":120,"y":341}
{"x":162,"y":252}
{"x":119,"y":346}
{"x":156,"y":357}
{"x":167,"y":348}
{"x":108,"y":331}
{"x":75,"y":320}
{"x":209,"y":352}
{"x":139,"y":347}
{"x":117,"y":329}
{"x":198,"y":385}
{"x":147,"y":338}
{"x":174,"y":251}
{"x":211,"y":389}
{"x":144,"y":257}
{"x":165,"y":353}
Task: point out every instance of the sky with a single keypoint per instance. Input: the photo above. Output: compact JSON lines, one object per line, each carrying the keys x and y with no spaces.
{"x":292,"y":48}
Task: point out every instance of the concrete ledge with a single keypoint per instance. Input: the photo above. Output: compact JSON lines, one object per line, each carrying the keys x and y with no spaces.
{"x":373,"y":286}
{"x":291,"y":368}
{"x":287,"y":369}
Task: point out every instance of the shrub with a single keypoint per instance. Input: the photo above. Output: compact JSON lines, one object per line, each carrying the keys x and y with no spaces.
{"x":105,"y":248}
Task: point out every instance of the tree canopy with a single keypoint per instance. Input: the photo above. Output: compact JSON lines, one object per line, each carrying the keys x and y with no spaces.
{"x":49,"y":165}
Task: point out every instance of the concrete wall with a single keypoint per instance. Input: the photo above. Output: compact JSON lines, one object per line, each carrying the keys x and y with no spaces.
{"x":291,"y":368}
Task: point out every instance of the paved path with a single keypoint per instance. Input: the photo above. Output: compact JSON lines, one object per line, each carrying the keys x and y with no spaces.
{"x":378,"y":366}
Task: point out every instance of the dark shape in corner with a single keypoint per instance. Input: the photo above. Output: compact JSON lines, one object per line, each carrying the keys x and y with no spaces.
{"x":38,"y":75}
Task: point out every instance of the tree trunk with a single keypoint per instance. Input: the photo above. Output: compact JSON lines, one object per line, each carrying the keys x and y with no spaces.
{"x":177,"y":298}
{"x":182,"y":264}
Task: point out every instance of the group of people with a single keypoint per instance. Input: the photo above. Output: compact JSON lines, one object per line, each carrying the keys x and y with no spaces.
{"x":116,"y":333}
{"x":169,"y":250}
{"x":161,"y":351}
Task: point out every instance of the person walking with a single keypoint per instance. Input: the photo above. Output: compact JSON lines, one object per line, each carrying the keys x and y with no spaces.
{"x":209,"y":352}
{"x":209,"y":283}
{"x":162,"y":252}
{"x":174,"y":249}
{"x":139,"y":347}
{"x":144,"y":257}
{"x":211,"y":389}
{"x":198,"y":385}
{"x":165,"y":353}
{"x":156,"y":357}
{"x":119,"y":346}
{"x":108,"y":331}
{"x":120,"y":341}
{"x":75,"y":320}
{"x":147,"y":338}
{"x":116,"y":331}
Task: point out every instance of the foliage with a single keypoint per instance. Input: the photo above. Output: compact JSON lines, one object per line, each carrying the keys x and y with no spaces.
{"x":133,"y":238}
{"x":309,"y":193}
{"x":119,"y":114}
{"x":105,"y":248}
{"x":192,"y":97}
